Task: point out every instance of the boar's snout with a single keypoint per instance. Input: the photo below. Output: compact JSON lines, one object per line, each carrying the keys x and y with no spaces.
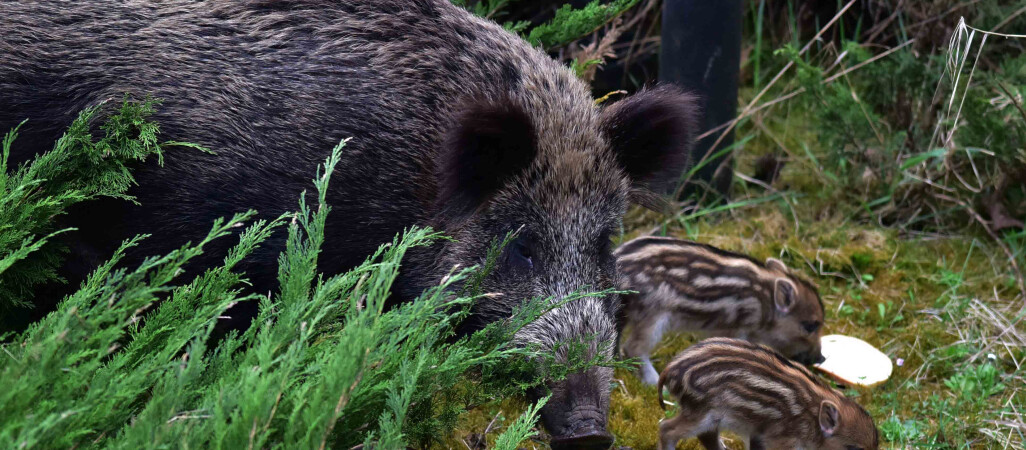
{"x":581,"y":330}
{"x":588,"y":439}
{"x":575,"y":415}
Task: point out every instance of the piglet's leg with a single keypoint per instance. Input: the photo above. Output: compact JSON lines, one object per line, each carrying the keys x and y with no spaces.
{"x":644,"y":336}
{"x":648,"y":373}
{"x":678,"y":427}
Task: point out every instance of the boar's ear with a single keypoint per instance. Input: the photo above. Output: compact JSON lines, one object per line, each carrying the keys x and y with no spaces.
{"x":776,"y":264}
{"x":651,"y":134}
{"x":489,"y":143}
{"x":829,"y":418}
{"x":783,"y":294}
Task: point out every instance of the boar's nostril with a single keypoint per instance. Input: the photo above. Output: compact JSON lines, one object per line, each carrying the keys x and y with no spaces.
{"x":819,"y":358}
{"x":588,"y":438}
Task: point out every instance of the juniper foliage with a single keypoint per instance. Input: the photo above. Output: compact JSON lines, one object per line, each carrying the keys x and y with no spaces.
{"x":127,"y":360}
{"x":493,"y":9}
{"x":78,"y":169}
{"x":568,"y":24}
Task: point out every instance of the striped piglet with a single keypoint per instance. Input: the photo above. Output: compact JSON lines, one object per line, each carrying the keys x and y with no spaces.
{"x":757,"y":393}
{"x":687,"y":286}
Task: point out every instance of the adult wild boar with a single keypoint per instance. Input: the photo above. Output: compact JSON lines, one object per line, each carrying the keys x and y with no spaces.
{"x":455,"y":123}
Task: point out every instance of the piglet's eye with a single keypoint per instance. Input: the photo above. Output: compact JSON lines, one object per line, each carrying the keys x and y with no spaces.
{"x":811,"y":327}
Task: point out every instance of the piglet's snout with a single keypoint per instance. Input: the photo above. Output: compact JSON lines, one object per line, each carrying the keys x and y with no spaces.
{"x":810,"y":357}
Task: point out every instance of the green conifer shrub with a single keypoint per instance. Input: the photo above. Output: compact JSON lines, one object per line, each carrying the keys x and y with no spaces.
{"x":568,"y":24}
{"x":127,"y":360}
{"x":78,"y":169}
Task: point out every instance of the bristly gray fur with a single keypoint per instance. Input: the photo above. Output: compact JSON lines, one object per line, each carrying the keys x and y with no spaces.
{"x":272,"y":86}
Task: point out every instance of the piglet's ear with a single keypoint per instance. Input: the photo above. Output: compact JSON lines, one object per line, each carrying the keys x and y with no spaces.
{"x":651,"y":133}
{"x":829,"y":418}
{"x":489,"y":144}
{"x":776,"y":264}
{"x":784,"y":292}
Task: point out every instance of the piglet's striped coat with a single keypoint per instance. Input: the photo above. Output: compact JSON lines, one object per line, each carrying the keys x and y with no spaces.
{"x":688,"y":286}
{"x":755,"y":392}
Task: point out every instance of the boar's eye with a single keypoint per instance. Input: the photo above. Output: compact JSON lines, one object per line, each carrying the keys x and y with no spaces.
{"x":521,"y":258}
{"x":811,"y":327}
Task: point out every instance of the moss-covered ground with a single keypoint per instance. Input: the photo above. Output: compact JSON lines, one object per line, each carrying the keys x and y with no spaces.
{"x":938,"y":306}
{"x":941,"y":306}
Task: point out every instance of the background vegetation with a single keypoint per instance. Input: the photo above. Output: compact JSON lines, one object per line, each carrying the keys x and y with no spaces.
{"x":881,"y":150}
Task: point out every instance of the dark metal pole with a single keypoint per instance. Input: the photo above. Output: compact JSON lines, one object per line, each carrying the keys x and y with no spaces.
{"x":701,"y":51}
